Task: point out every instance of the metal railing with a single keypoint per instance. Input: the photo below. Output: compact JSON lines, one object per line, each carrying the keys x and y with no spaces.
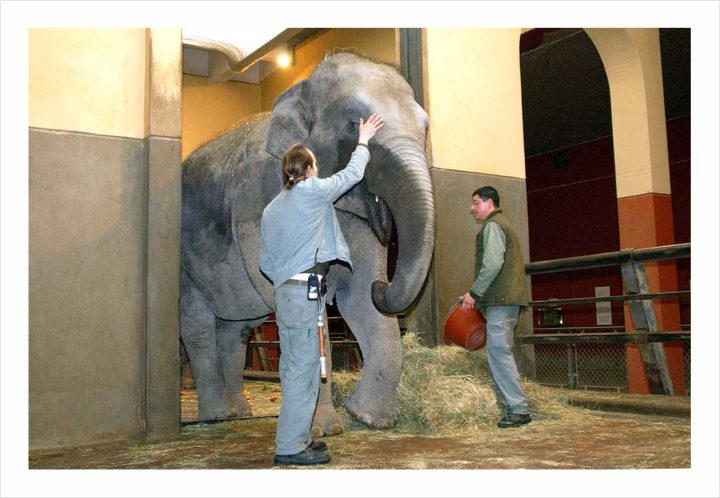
{"x":675,"y":251}
{"x":568,"y":347}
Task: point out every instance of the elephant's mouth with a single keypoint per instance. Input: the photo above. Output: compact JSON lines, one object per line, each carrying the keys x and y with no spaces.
{"x":381,"y":220}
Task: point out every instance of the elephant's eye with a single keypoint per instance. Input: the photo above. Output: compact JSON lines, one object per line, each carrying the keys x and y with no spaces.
{"x":351,"y":127}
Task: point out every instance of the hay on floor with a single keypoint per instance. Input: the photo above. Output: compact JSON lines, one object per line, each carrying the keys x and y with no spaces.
{"x":447,"y":389}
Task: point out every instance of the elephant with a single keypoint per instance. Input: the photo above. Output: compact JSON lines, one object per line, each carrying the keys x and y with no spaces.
{"x":228,"y":181}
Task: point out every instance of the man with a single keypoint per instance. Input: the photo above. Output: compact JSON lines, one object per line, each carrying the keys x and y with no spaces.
{"x":301,"y":236}
{"x":499,"y":291}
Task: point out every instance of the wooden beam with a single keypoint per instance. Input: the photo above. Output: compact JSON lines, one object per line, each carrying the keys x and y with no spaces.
{"x":643,"y":317}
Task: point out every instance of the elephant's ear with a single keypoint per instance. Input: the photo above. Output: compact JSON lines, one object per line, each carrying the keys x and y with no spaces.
{"x":289,"y":122}
{"x":368,"y":206}
{"x":247,"y":236}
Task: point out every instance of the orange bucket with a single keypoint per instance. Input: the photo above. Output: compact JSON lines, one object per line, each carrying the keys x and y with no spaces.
{"x":465,"y":327}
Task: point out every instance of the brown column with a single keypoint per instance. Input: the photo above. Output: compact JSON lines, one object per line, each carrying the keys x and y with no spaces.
{"x":647,"y":221}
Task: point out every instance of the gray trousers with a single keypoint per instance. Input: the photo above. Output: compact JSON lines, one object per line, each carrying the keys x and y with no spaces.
{"x":501,"y":323}
{"x":299,"y":367}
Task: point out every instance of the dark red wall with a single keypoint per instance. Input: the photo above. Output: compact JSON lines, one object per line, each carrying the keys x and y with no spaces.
{"x":572,"y":211}
{"x":678,"y":131}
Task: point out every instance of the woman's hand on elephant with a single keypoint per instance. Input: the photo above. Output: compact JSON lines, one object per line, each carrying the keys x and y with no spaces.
{"x":369,"y":128}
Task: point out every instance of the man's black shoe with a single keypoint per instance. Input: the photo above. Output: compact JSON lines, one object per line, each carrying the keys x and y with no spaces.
{"x":514,"y":420}
{"x":307,"y":456}
{"x":318,"y":446}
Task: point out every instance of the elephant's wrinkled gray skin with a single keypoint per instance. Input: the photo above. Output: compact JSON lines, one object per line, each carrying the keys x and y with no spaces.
{"x":228,"y":182}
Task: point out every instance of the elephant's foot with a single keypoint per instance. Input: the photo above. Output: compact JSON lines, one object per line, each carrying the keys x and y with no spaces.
{"x":212,"y":406}
{"x":376,"y":412}
{"x":240,"y":406}
{"x":326,"y":421}
{"x":215,"y":412}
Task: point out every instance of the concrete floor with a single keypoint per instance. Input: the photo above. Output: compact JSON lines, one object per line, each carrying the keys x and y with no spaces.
{"x":646,"y":433}
{"x":605,"y":441}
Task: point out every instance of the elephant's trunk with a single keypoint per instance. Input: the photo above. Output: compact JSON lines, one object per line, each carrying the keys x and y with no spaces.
{"x":400,"y":175}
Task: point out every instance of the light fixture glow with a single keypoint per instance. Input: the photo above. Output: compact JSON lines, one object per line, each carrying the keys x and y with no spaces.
{"x":283,"y":60}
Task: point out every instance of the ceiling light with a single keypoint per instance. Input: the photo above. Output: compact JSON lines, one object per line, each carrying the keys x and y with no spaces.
{"x":284,"y":60}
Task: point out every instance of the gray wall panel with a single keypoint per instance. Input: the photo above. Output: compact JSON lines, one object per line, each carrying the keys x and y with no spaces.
{"x":87,"y":280}
{"x":455,"y":243}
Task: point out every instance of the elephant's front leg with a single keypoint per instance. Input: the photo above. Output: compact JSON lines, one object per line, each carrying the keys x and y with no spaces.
{"x":326,"y":421}
{"x":231,"y":347}
{"x":373,"y":400}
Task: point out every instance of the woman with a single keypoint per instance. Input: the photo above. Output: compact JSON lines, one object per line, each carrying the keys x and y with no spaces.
{"x":301,"y":235}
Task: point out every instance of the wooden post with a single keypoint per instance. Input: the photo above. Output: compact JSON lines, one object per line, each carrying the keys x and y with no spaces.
{"x":644,"y":320}
{"x":262,"y":350}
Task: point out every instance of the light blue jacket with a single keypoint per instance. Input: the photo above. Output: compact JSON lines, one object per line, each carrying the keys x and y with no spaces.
{"x":300,"y":220}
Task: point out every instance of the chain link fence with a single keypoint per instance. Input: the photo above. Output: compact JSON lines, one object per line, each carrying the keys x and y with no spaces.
{"x":346,"y":356}
{"x":590,"y":366}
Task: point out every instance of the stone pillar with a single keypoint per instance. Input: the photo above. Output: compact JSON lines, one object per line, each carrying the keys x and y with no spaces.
{"x":474,"y":101}
{"x":163,"y":266}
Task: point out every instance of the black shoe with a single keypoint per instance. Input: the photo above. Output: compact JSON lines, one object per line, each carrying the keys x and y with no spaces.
{"x":307,"y":456}
{"x":318,"y":446}
{"x":514,"y":420}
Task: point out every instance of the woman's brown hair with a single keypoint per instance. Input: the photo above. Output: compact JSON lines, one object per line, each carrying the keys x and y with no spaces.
{"x":295,"y":161}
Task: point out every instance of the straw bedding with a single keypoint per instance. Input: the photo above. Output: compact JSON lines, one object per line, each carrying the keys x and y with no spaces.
{"x":447,"y":389}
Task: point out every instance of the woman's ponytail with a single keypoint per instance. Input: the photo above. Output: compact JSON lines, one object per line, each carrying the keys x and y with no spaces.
{"x":295,"y":161}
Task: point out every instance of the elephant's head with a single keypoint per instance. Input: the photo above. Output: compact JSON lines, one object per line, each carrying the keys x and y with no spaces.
{"x":323,"y":112}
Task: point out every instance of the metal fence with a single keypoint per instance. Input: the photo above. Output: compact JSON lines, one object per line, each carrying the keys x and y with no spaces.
{"x":582,"y":366}
{"x":346,"y":356}
{"x":596,"y":367}
{"x":596,"y":357}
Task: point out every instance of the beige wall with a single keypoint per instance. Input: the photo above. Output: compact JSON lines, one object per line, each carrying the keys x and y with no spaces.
{"x":88,"y":80}
{"x":165,"y":83}
{"x":475,"y":100}
{"x":210,"y":109}
{"x":376,"y":43}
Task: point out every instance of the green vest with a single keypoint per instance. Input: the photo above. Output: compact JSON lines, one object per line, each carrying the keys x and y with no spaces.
{"x":510,"y":286}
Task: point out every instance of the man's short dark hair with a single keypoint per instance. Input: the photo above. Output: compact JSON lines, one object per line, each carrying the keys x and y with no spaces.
{"x":486,"y":193}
